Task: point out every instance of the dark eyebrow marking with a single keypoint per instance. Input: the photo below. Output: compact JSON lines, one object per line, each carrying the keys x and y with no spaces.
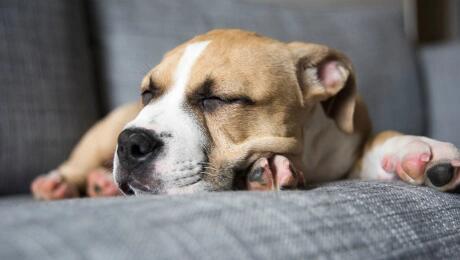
{"x":152,"y":85}
{"x":152,"y":91}
{"x":205,"y":89}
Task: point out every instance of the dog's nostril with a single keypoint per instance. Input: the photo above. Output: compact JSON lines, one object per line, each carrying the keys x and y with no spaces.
{"x":137,"y":151}
{"x":137,"y":146}
{"x":141,"y":147}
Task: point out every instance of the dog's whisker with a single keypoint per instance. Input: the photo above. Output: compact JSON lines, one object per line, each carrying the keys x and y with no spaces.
{"x":189,"y":184}
{"x":187,"y":176}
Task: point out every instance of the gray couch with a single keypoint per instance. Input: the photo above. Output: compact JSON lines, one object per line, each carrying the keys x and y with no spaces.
{"x":63,"y":64}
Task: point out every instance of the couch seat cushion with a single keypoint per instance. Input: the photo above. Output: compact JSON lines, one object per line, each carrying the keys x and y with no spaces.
{"x":341,"y":220}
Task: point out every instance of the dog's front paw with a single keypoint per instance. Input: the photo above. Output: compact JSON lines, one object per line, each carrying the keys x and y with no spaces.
{"x":275,"y":173}
{"x":100,"y":184}
{"x":52,"y":186}
{"x":421,"y":160}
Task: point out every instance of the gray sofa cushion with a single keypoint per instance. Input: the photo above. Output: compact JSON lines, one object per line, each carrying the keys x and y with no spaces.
{"x":46,"y":90}
{"x":343,"y":220}
{"x":440,"y":67}
{"x":133,"y":35}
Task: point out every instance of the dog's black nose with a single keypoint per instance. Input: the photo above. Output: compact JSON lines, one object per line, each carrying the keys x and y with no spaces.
{"x":137,"y":146}
{"x":440,"y":174}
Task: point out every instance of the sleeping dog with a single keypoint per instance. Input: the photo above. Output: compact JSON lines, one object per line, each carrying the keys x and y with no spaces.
{"x":232,"y":109}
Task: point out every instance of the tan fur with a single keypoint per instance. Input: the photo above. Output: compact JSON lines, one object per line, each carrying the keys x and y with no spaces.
{"x":380,"y":138}
{"x":266,"y":127}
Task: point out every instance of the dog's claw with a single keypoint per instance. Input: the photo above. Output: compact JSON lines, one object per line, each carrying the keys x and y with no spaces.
{"x":275,"y":173}
{"x":440,"y":174}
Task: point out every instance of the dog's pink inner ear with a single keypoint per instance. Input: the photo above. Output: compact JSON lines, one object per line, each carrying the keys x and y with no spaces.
{"x":332,"y":75}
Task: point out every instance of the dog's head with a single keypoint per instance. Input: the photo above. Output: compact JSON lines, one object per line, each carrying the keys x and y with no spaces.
{"x":220,"y":101}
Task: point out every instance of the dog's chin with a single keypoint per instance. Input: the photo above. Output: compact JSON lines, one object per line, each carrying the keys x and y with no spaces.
{"x":145,"y":189}
{"x":130,"y":187}
{"x":138,"y":188}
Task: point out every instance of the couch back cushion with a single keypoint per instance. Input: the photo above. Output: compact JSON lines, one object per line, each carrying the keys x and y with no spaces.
{"x":46,"y":93}
{"x":133,"y":35}
{"x":440,"y":67}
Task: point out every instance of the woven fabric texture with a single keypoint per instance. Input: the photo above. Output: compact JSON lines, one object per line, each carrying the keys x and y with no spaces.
{"x":47,"y":95}
{"x":343,"y":220}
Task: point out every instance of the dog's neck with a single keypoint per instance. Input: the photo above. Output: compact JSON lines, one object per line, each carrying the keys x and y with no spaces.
{"x":329,"y":153}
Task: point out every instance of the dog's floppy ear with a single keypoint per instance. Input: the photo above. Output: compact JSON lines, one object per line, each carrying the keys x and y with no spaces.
{"x":325,"y":75}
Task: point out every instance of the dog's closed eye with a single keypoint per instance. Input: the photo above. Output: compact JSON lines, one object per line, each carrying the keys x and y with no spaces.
{"x":150,"y":93}
{"x":209,"y":101}
{"x":147,"y":96}
{"x":212,"y":103}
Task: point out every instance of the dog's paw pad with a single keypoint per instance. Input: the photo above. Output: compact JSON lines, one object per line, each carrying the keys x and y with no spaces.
{"x":420,"y":160}
{"x":53,"y":187}
{"x":275,"y":173}
{"x":100,"y":184}
{"x":412,"y":167}
{"x":287,"y":176}
{"x":409,"y":163}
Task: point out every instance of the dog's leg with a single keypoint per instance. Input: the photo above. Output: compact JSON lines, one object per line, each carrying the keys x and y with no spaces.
{"x":94,"y":150}
{"x":414,"y":159}
{"x":275,"y":173}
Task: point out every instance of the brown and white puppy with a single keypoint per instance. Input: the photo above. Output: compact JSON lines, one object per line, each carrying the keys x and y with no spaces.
{"x":231,"y":109}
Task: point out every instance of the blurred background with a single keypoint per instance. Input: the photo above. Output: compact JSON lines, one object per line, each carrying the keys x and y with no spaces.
{"x":65,"y":64}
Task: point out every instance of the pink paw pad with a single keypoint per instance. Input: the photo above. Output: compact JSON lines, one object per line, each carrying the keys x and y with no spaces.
{"x":409,"y":163}
{"x":389,"y":163}
{"x":53,"y":187}
{"x":412,"y":167}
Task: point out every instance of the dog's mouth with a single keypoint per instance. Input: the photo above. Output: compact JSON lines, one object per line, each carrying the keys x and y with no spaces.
{"x":150,"y":182}
{"x":126,"y":189}
{"x":135,"y":187}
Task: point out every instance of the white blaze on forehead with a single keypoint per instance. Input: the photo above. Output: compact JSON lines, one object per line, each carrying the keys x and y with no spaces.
{"x":176,"y":93}
{"x":182,"y":73}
